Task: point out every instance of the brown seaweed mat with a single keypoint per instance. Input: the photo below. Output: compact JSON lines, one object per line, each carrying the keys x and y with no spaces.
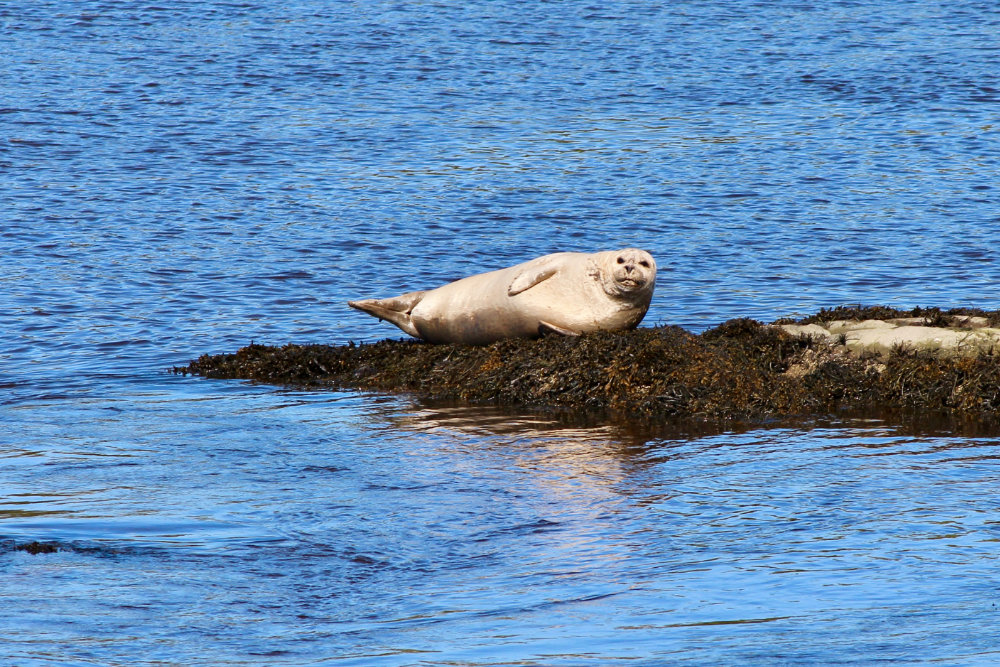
{"x":742,"y":370}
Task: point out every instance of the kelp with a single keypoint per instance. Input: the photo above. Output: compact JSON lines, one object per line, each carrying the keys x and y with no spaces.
{"x":739,"y":370}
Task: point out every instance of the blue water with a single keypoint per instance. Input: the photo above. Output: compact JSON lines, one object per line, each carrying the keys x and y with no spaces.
{"x":187,"y":177}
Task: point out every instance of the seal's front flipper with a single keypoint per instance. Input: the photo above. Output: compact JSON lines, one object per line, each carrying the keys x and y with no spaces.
{"x":531,"y":276}
{"x":545,"y":328}
{"x":396,"y":309}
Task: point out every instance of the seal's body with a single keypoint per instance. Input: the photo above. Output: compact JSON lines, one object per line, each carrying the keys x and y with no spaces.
{"x":567,"y":292}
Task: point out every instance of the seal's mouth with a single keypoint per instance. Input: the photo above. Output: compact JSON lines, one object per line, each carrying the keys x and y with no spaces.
{"x":631,"y":283}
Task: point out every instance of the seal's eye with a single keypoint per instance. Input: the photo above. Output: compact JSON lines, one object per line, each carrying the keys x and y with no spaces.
{"x":621,"y":261}
{"x":644,"y":263}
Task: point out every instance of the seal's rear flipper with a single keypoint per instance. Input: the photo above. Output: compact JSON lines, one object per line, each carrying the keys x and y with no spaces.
{"x":549,"y":328}
{"x":395,"y":309}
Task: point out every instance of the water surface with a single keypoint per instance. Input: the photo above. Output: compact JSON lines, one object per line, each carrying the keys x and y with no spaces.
{"x":189,"y":177}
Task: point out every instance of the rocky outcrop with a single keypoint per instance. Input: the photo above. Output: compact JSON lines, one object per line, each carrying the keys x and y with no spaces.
{"x":928,"y":360}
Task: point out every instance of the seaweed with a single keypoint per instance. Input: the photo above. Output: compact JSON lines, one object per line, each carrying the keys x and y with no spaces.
{"x":35,"y":548}
{"x":740,"y":370}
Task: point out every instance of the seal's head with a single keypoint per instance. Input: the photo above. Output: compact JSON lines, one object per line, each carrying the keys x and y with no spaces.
{"x":628,"y":273}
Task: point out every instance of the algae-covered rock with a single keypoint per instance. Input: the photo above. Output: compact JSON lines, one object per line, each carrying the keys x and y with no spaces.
{"x":741,"y":369}
{"x":945,"y":336}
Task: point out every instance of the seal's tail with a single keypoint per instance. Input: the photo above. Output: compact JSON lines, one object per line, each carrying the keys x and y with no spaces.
{"x":394,"y":309}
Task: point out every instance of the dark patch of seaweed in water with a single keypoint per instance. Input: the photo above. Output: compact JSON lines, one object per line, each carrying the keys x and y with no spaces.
{"x":36,"y":548}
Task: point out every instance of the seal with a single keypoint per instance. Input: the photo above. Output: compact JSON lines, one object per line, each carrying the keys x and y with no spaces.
{"x":567,"y":293}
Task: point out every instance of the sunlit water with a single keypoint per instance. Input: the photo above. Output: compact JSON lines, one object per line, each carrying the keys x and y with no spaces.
{"x":180,"y":178}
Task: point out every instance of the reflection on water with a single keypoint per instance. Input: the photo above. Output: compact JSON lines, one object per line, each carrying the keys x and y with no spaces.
{"x":628,"y":434}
